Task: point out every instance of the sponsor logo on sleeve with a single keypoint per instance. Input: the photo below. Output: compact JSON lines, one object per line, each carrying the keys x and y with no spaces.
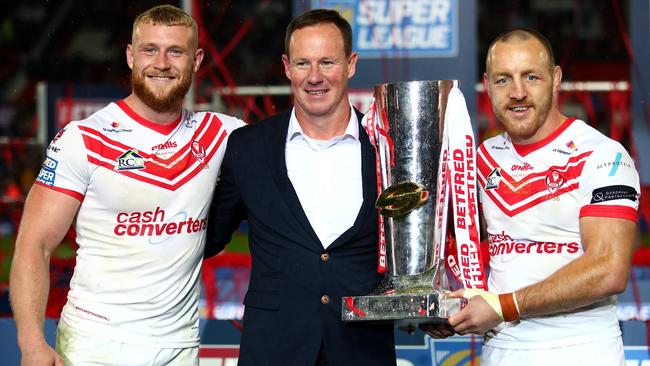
{"x":53,"y":148}
{"x":50,"y":164}
{"x":58,"y":135}
{"x":46,"y":177}
{"x":616,"y":192}
{"x":47,"y":174}
{"x":614,"y":165}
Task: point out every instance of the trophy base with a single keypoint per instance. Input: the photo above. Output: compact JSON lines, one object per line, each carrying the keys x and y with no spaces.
{"x":413,"y":308}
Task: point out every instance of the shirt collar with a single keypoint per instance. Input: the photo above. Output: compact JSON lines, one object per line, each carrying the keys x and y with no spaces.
{"x":352,"y":130}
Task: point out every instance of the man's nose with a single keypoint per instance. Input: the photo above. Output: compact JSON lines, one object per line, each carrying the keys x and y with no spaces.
{"x":518,"y":90}
{"x":162,"y":61}
{"x":315,"y":74}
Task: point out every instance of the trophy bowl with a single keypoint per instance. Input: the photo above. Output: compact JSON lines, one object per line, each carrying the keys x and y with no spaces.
{"x":410,"y":118}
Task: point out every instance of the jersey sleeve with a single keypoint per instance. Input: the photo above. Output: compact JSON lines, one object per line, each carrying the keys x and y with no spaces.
{"x":609,"y":183}
{"x":66,"y":168}
{"x":230,"y":123}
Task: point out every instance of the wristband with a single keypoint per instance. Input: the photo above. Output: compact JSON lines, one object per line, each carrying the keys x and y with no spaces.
{"x":509,"y":307}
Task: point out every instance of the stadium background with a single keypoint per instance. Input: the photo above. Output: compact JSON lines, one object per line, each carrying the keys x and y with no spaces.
{"x":63,"y":59}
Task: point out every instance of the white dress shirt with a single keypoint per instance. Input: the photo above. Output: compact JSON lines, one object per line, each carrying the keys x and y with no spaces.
{"x":326,"y":175}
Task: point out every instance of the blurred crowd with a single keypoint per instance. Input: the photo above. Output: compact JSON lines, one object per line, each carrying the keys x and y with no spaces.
{"x":75,"y":41}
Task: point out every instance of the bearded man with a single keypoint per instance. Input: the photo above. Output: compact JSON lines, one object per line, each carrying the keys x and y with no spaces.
{"x":136,"y":180}
{"x":561,"y":233}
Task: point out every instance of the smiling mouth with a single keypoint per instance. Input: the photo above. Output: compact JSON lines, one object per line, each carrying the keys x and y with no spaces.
{"x":519,"y":108}
{"x":315,"y":92}
{"x":160,"y":77}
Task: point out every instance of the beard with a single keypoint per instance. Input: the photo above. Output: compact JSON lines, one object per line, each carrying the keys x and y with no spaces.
{"x":525,"y":129}
{"x":171,"y":101}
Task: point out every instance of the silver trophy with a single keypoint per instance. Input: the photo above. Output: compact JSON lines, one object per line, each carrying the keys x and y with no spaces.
{"x":411,"y":120}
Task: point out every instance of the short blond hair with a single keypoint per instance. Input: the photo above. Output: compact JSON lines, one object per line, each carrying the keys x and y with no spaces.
{"x":521,"y":35}
{"x":166,"y":15}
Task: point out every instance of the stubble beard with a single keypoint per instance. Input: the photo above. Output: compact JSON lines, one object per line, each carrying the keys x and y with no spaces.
{"x":526,"y":129}
{"x":171,"y":101}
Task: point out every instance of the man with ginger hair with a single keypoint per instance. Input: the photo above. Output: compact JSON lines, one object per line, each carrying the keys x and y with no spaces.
{"x":136,"y":179}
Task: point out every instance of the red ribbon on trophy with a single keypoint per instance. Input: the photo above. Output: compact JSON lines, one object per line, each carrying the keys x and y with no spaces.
{"x":372,"y":128}
{"x":464,"y":259}
{"x":457,"y":178}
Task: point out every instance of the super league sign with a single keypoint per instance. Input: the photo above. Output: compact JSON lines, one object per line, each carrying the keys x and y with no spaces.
{"x":400,"y":28}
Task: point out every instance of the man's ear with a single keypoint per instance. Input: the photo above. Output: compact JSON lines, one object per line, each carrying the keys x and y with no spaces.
{"x":352,"y":65}
{"x":486,"y":83}
{"x":198,"y":59}
{"x":557,"y":78}
{"x":129,"y":55}
{"x":287,"y":65}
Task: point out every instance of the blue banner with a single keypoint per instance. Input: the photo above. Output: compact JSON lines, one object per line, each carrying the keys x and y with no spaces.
{"x":400,"y":28}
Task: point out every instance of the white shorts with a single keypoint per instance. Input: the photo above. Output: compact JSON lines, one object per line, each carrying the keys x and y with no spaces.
{"x":608,"y":352}
{"x":79,"y":348}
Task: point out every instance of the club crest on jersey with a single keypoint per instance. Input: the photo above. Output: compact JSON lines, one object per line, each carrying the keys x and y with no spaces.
{"x":199,"y":153}
{"x":130,"y":160}
{"x":493,"y":179}
{"x":554,"y":181}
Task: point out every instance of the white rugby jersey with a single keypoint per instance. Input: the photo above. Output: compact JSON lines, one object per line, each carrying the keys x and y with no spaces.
{"x":145,"y":192}
{"x":533,"y":197}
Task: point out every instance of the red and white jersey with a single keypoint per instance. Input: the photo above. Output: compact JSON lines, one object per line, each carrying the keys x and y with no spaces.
{"x":145,"y":192}
{"x":533,"y":197}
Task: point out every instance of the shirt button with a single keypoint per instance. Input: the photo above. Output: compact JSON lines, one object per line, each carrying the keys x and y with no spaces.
{"x":325,"y":299}
{"x":325,"y":257}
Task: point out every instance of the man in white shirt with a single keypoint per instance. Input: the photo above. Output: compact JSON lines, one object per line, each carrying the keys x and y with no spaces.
{"x":306,"y":182}
{"x":136,"y":179}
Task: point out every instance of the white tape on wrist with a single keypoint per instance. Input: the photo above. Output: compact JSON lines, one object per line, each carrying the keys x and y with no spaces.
{"x":490,"y":298}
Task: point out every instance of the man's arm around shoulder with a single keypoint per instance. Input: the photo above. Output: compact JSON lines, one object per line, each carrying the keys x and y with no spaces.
{"x":227,"y":209}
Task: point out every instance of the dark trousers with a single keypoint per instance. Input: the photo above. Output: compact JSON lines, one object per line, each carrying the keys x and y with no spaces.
{"x":321,"y":360}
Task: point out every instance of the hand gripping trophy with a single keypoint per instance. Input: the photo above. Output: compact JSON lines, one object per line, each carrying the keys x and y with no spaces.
{"x":426,"y":154}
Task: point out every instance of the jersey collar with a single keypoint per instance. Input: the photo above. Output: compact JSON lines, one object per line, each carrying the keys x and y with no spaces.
{"x":524,"y":150}
{"x":160,"y":128}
